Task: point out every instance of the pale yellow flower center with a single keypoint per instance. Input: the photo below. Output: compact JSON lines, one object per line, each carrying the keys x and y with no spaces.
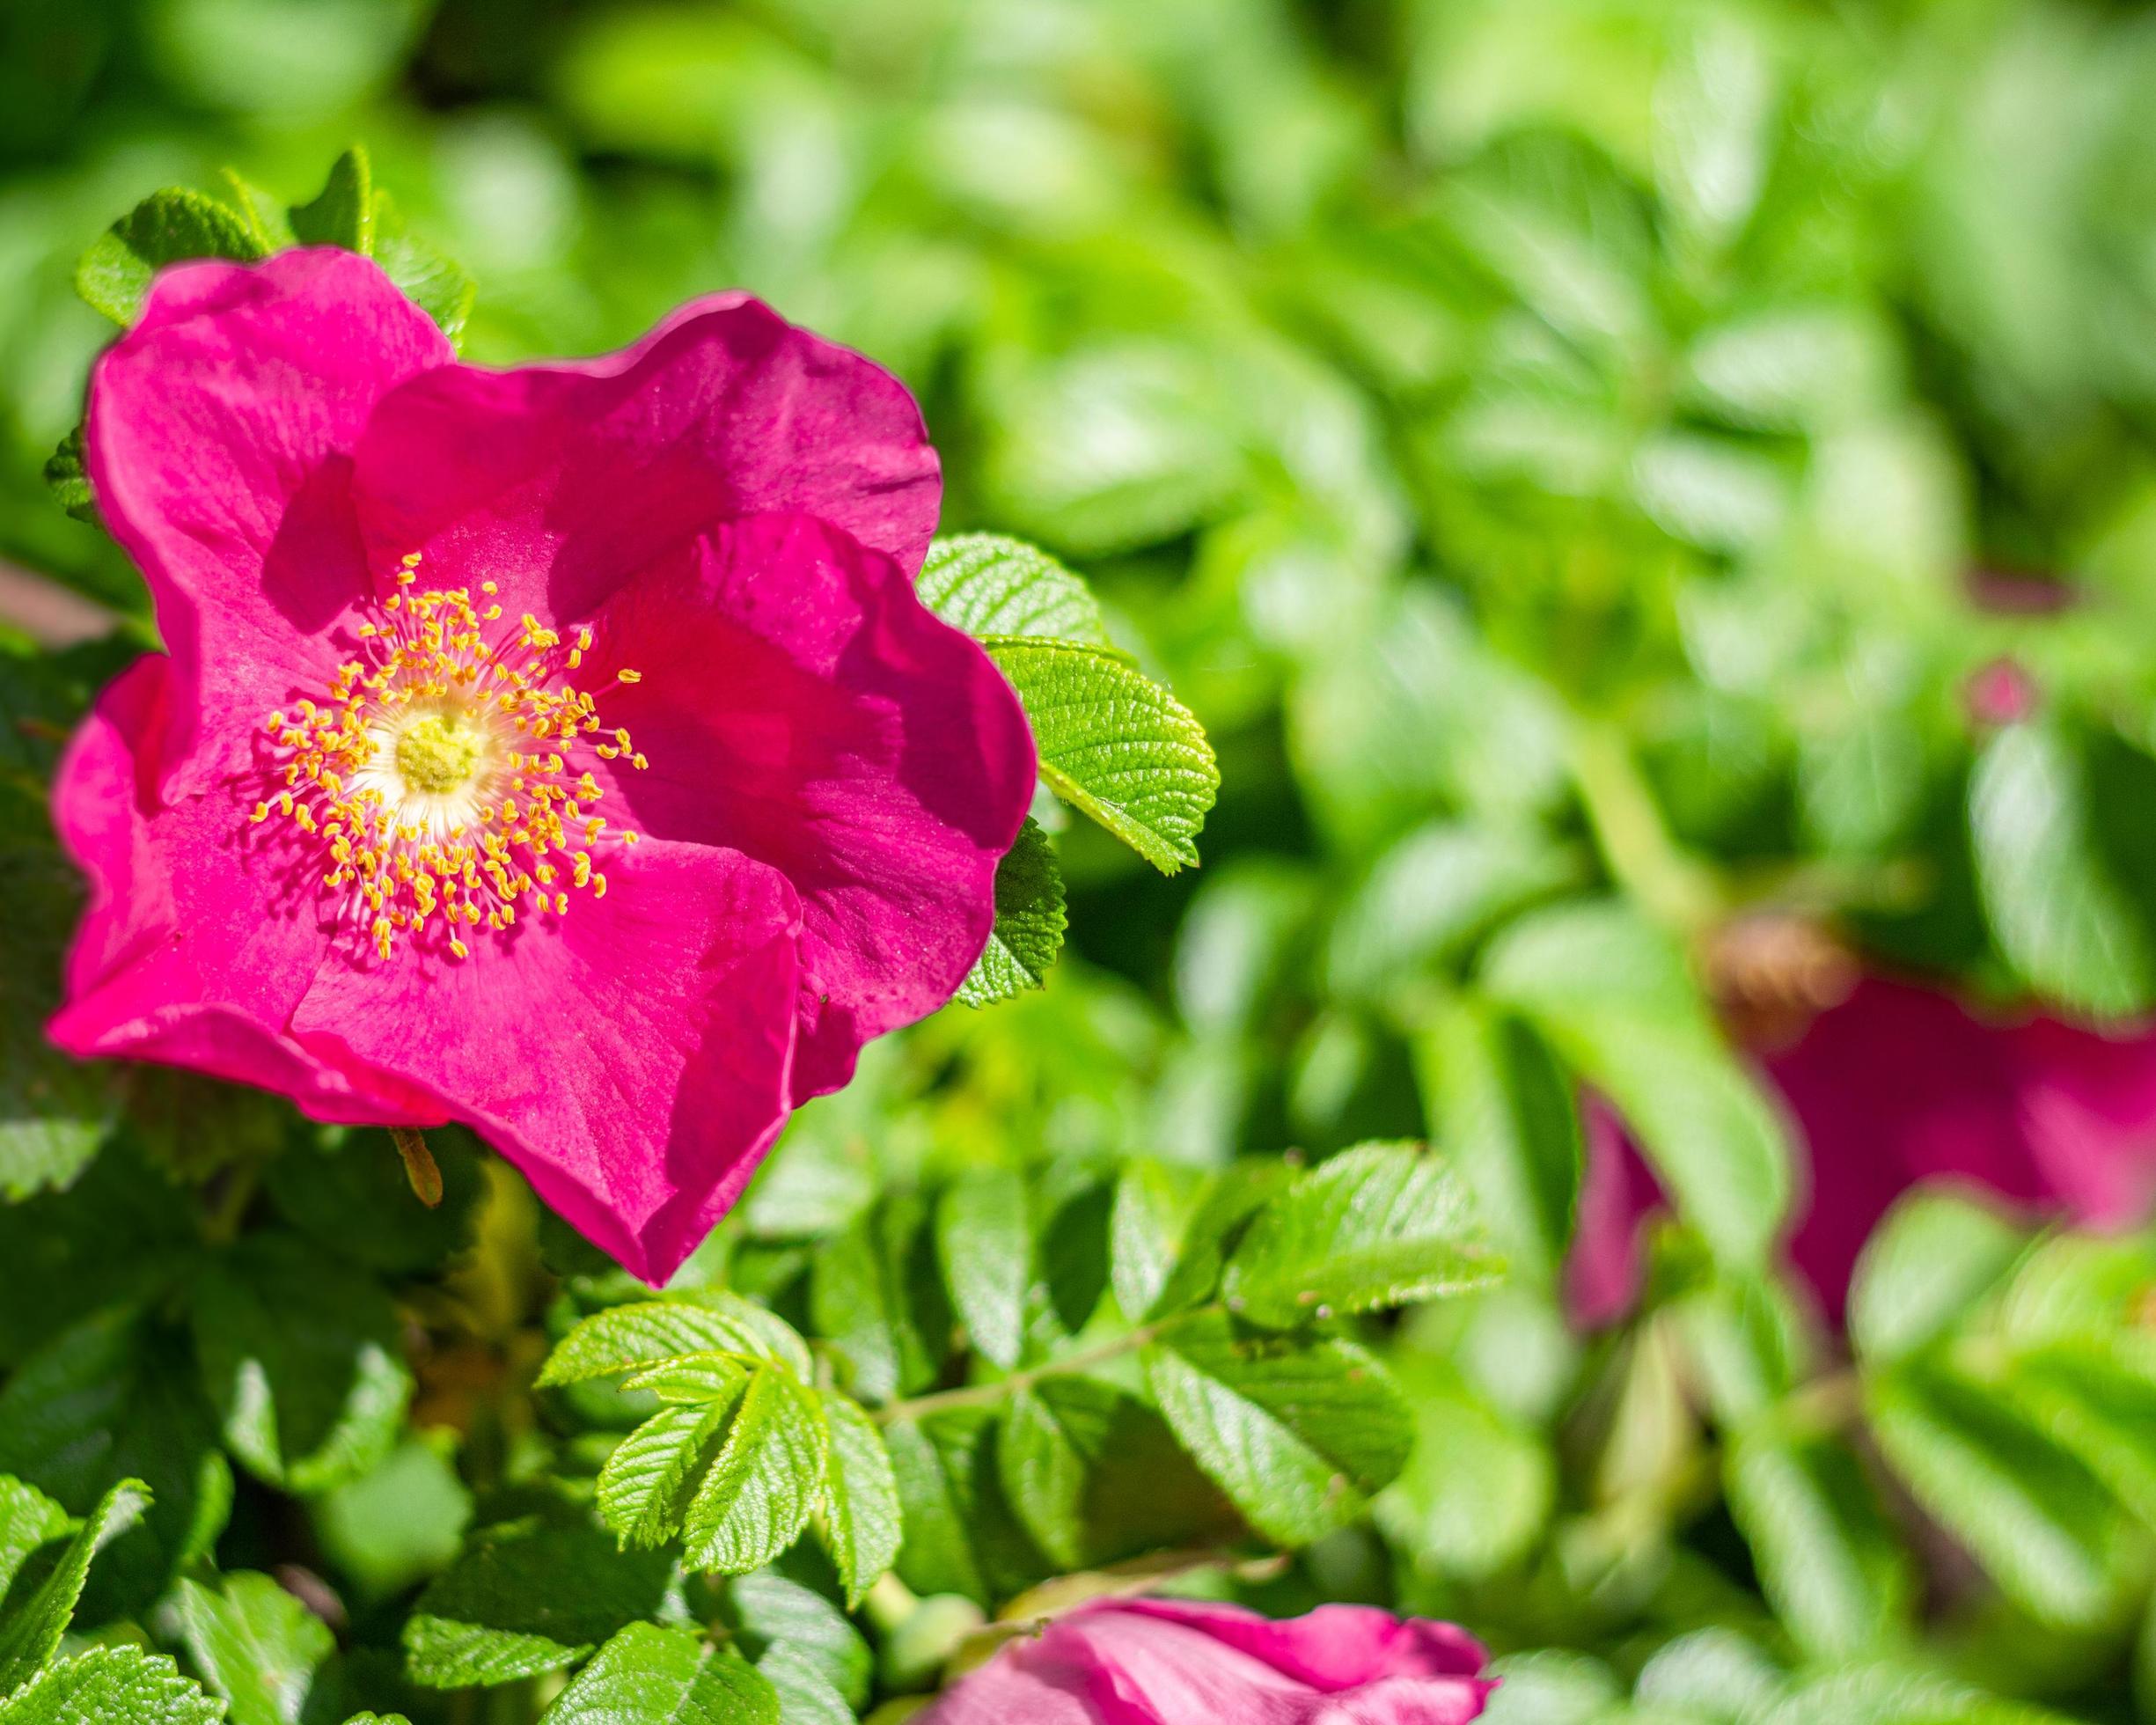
{"x":442,"y":775}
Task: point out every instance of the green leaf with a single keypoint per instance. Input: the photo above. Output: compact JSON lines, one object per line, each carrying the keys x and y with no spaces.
{"x":1925,"y":1266}
{"x":31,"y":1630}
{"x":962,"y":1535}
{"x":55,"y":1112}
{"x":645,"y":1486}
{"x":2103,"y":1413}
{"x":1242,"y":1190}
{"x":756,"y":1497}
{"x":400,"y":1524}
{"x":28,"y":1519}
{"x":1477,"y":1489}
{"x":437,"y":285}
{"x":621,"y":1339}
{"x":862,"y":1523}
{"x":108,"y":1685}
{"x":1701,"y":1120}
{"x":1115,"y":744}
{"x":343,"y":212}
{"x":1030,"y":922}
{"x":255,"y":1645}
{"x":983,"y":1243}
{"x":1154,"y":1204}
{"x":1829,"y":1561}
{"x":876,"y":1296}
{"x":773,"y":1615}
{"x":68,"y":479}
{"x":1500,"y":1100}
{"x":2059,"y":913}
{"x":110,"y":1400}
{"x":353,"y":1195}
{"x":650,"y":1676}
{"x":806,"y":1694}
{"x":1430,"y":894}
{"x":990,"y":585}
{"x":1297,"y":1432}
{"x":2040,"y":1523}
{"x":1381,"y":1225}
{"x":1614,"y":996}
{"x":302,"y":1355}
{"x":165,"y":227}
{"x":1096,"y":1477}
{"x":528,"y":1596}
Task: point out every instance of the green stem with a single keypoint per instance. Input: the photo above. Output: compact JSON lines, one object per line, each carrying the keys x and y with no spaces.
{"x":1672,"y":886}
{"x":986,"y":1395}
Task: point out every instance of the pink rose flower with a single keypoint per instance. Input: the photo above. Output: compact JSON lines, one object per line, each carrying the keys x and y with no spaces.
{"x":1896,"y":1085}
{"x":1172,"y":1661}
{"x":562,"y":749}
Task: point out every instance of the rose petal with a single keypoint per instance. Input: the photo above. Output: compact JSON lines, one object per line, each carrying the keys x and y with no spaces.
{"x":219,"y":435}
{"x":195,"y":948}
{"x":798,"y":703}
{"x":632,"y":1057}
{"x":557,"y":481}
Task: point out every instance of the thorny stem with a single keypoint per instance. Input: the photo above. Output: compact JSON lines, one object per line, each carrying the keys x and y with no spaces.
{"x":419,"y":1164}
{"x":984,"y":1395}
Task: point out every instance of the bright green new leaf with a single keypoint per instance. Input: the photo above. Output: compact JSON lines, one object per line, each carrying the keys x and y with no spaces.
{"x":987,"y":584}
{"x":986,"y":1250}
{"x":623,"y":1339}
{"x":650,"y":1676}
{"x":109,"y":1686}
{"x":862,"y":1517}
{"x":645,"y":1486}
{"x":166,"y":227}
{"x":1379,"y":1225}
{"x":31,"y":1630}
{"x":1115,"y":743}
{"x":756,"y":1497}
{"x":255,"y":1645}
{"x":1030,"y":922}
{"x":1297,"y":1432}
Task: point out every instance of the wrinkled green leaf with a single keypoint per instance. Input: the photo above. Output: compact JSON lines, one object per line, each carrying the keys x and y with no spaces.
{"x":1297,"y":1432}
{"x":1029,"y":920}
{"x":1115,"y":743}
{"x":166,"y":227}
{"x":987,"y":584}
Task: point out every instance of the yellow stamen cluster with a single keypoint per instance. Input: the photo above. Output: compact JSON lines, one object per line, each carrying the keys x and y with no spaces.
{"x":440,"y":776}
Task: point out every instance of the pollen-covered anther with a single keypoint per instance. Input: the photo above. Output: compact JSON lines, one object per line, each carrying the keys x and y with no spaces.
{"x":414,"y":778}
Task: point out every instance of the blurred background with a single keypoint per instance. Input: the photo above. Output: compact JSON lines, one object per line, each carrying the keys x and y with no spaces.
{"x":1655,"y":503}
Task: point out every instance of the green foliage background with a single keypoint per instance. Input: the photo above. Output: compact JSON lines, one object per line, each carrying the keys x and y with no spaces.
{"x":1573,"y":456}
